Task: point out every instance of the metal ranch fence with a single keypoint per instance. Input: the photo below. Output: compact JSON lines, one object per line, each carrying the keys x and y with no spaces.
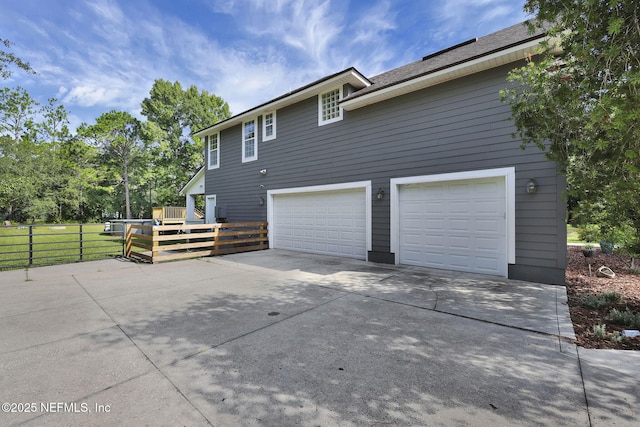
{"x":24,"y":246}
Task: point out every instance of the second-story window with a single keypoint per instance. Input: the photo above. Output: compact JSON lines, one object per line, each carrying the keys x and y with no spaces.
{"x":329,"y":110}
{"x":269,"y":126}
{"x":213,"y":142}
{"x":249,"y":141}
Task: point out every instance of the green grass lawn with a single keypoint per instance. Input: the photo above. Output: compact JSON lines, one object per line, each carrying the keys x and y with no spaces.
{"x":572,"y":235}
{"x":55,"y":244}
{"x":59,"y":244}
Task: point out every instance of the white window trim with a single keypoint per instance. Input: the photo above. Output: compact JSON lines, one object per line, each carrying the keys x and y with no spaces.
{"x":508,"y":173}
{"x":255,"y":141}
{"x":335,"y":119}
{"x":264,"y":126}
{"x":208,"y":141}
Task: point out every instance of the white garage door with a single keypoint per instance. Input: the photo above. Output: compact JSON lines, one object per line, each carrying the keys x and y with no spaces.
{"x":325,"y":222}
{"x":455,"y":225}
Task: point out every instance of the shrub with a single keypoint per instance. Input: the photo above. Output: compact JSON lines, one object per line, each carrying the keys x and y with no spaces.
{"x":600,"y":331}
{"x":589,"y":232}
{"x":625,"y":318}
{"x":602,"y":300}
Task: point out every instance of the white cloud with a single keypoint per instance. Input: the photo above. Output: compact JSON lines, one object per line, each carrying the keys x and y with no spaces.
{"x":105,"y":54}
{"x":371,"y":49}
{"x":474,"y":18}
{"x":309,"y":27}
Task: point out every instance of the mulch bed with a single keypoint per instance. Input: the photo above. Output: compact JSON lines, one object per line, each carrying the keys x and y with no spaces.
{"x":579,"y":284}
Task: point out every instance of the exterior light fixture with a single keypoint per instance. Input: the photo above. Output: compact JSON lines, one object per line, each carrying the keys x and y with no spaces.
{"x":261,"y":201}
{"x":263,"y":172}
{"x":380,"y":194}
{"x":532,"y":186}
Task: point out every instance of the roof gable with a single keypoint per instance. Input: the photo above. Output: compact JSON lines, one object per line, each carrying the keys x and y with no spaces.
{"x":349,"y":76}
{"x":195,"y":184}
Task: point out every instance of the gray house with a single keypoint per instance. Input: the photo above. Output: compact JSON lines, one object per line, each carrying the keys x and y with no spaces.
{"x":414,"y":166}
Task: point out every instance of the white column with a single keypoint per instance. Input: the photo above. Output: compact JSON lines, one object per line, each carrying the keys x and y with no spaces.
{"x":191,"y":204}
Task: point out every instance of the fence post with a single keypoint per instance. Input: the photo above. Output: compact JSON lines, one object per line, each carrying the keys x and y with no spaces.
{"x":31,"y":245}
{"x":155,"y":242}
{"x":80,"y":234}
{"x":126,"y":241}
{"x":214,"y":244}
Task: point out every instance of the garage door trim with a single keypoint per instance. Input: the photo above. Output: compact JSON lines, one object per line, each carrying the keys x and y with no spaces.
{"x":362,"y":185}
{"x":508,"y":173}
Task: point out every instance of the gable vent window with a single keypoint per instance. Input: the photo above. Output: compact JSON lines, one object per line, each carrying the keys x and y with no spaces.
{"x":329,"y":108}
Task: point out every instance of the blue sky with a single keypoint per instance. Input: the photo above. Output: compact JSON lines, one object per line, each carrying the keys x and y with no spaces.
{"x":99,"y":55}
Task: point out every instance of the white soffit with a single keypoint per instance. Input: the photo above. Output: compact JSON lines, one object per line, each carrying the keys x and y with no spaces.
{"x":477,"y":65}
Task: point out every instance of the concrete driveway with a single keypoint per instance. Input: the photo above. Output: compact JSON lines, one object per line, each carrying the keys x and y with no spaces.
{"x":280,"y":338}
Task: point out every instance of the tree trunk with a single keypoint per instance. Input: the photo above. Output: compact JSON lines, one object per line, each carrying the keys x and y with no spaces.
{"x":127,"y":201}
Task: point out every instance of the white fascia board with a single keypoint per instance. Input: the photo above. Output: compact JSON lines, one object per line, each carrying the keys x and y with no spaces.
{"x":477,"y":65}
{"x":349,"y":77}
{"x":193,"y":181}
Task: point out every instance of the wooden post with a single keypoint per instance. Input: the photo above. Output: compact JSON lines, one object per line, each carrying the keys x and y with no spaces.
{"x":214,"y":243}
{"x":155,"y":243}
{"x":127,"y":240}
{"x":263,"y":235}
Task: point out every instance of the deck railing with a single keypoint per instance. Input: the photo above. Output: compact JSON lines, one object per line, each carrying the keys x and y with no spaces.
{"x":160,"y":243}
{"x":198,"y":213}
{"x":170,"y":214}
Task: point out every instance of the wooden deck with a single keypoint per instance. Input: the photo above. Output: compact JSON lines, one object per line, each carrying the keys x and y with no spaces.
{"x":161,"y":243}
{"x":167,"y":215}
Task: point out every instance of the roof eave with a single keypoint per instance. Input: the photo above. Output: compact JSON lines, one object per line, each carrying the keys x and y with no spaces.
{"x":450,"y":72}
{"x":198,"y":175}
{"x":350,"y":76}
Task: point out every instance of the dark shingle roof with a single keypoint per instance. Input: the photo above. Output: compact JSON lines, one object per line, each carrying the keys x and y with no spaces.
{"x":466,"y":51}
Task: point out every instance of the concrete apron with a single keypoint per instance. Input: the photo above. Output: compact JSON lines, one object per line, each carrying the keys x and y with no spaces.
{"x":283,"y":338}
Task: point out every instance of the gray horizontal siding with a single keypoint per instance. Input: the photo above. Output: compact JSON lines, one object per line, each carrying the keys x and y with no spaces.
{"x":456,"y":126}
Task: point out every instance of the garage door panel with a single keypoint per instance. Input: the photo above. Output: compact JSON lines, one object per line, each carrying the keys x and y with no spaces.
{"x":459,"y":207}
{"x":488,"y":225}
{"x":431,"y":224}
{"x":487,"y":186}
{"x":327,"y":222}
{"x":487,"y":244}
{"x":459,"y":225}
{"x":486,"y":206}
{"x":459,"y":243}
{"x":412,"y":239}
{"x":459,"y":261}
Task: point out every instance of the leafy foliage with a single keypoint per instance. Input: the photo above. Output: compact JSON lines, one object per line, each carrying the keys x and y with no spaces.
{"x":625,"y":318}
{"x":118,"y":164}
{"x":599,"y":301}
{"x":31,"y":172}
{"x":8,"y":58}
{"x":579,"y":99}
{"x":173,"y":113}
{"x":118,"y":136}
